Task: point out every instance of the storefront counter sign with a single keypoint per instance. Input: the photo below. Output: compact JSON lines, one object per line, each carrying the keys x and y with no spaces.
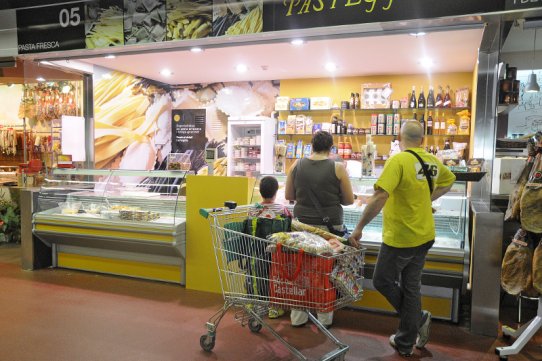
{"x":523,"y":4}
{"x":299,"y":14}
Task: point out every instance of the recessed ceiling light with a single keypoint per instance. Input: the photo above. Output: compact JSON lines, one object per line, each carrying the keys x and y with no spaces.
{"x":45,"y":62}
{"x":331,"y":67}
{"x":110,"y":56}
{"x":166,"y":72}
{"x":196,"y":49}
{"x":426,"y":62}
{"x":40,"y":78}
{"x":297,"y":42}
{"x":106,"y":76}
{"x":420,"y":33}
{"x":241,"y":68}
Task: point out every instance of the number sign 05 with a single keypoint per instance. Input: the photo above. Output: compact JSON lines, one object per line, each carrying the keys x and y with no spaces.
{"x":69,"y":17}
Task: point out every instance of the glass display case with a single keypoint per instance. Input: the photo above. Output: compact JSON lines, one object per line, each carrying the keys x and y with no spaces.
{"x":125,"y":222}
{"x":446,"y":271}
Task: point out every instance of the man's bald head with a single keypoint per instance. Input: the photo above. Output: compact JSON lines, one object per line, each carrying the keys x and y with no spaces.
{"x":412,"y":133}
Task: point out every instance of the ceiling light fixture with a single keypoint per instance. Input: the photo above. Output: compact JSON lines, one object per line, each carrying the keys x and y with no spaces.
{"x":532,"y":85}
{"x":426,"y":62}
{"x":40,"y":79}
{"x":297,"y":42}
{"x":241,"y":68}
{"x":110,"y":56}
{"x":420,"y":33}
{"x":44,"y":62}
{"x":331,"y":67}
{"x":166,"y":72}
{"x":107,"y":76}
{"x":196,"y":49}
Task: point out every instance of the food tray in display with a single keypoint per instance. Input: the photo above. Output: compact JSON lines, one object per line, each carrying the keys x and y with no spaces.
{"x":375,"y":95}
{"x":282,"y":103}
{"x":469,"y":176}
{"x":178,"y":161}
{"x":320,"y":103}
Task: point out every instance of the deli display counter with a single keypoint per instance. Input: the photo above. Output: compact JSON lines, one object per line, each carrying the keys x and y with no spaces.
{"x":445,"y":274}
{"x":123,"y":222}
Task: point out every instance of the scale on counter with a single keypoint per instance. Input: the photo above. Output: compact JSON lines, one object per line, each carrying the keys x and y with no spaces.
{"x":211,"y":154}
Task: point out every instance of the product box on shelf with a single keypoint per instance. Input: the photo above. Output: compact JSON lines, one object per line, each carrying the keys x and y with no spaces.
{"x":299,"y":104}
{"x":300,"y":124}
{"x":375,"y":95}
{"x":281,"y":103}
{"x":320,"y":103}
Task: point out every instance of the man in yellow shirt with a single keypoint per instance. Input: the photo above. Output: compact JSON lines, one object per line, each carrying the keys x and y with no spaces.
{"x":405,"y":191}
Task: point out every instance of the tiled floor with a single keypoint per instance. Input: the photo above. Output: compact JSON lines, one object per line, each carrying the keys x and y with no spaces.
{"x":64,"y":315}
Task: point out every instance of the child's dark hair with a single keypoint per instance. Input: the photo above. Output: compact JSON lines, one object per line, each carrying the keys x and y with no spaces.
{"x":268,"y":187}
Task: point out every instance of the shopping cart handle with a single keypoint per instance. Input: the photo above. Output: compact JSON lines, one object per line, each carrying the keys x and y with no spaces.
{"x":204,"y":212}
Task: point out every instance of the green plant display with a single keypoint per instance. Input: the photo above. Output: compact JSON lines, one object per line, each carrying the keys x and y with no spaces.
{"x":10,"y":222}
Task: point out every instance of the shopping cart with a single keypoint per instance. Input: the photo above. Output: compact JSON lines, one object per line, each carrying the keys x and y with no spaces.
{"x":256,"y":274}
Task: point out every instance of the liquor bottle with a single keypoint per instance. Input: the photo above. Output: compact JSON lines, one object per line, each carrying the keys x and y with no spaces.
{"x":431,"y":150}
{"x":430,"y":123}
{"x":334,"y":125}
{"x":442,"y":125}
{"x":446,"y":144}
{"x":436,"y":125}
{"x":421,"y":99}
{"x":438,"y":102}
{"x":412,"y":101}
{"x":447,"y":100}
{"x":357,"y":104}
{"x":352,"y":101}
{"x":422,"y":122}
{"x":431,"y":98}
{"x":339,"y":127}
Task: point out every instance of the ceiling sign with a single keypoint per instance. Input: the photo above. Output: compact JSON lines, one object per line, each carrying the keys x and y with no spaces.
{"x":523,"y":4}
{"x":69,"y":26}
{"x":300,"y":14}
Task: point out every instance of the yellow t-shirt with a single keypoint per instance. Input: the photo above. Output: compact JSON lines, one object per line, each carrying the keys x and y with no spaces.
{"x":407,"y":216}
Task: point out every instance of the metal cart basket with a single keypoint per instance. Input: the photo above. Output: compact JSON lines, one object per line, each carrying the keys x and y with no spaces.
{"x":257,"y":274}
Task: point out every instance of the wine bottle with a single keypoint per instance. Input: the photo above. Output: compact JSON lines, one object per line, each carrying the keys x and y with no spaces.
{"x":436,"y":125}
{"x":421,"y":99}
{"x":352,"y":101}
{"x":438,"y":102}
{"x":446,"y":144}
{"x":412,"y":102}
{"x":431,"y":98}
{"x":357,"y":102}
{"x":422,"y":122}
{"x":429,"y":123}
{"x":447,"y":100}
{"x":442,"y":125}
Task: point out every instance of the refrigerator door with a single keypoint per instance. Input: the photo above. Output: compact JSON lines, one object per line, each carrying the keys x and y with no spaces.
{"x":250,"y":146}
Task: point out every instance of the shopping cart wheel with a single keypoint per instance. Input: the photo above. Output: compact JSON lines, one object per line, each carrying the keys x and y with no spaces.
{"x":254,"y":325}
{"x":207,"y":342}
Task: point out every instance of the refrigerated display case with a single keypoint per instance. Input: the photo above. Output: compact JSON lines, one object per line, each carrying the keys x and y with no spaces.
{"x":445,"y":274}
{"x":124,"y":222}
{"x":250,"y":146}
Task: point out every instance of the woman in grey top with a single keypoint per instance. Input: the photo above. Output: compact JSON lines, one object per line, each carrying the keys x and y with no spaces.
{"x":330,"y":184}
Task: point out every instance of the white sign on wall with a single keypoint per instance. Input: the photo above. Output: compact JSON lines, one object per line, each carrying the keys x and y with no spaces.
{"x":73,"y":137}
{"x":526,"y":118}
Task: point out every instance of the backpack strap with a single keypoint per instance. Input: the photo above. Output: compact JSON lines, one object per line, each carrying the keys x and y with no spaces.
{"x":425,"y":169}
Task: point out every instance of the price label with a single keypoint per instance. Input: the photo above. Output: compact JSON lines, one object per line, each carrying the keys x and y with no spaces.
{"x":51,"y":28}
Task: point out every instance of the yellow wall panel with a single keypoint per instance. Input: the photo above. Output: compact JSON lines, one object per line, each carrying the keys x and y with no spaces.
{"x":208,"y":192}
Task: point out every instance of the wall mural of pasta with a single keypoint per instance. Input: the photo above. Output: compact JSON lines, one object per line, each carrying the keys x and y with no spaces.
{"x":133,"y":117}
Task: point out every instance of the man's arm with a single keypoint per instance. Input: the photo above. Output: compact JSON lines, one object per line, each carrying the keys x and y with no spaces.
{"x":375,"y":205}
{"x":289,"y":189}
{"x":440,"y":191}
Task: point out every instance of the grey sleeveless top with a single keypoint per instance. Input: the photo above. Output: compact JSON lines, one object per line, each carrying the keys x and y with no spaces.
{"x":318,"y":175}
